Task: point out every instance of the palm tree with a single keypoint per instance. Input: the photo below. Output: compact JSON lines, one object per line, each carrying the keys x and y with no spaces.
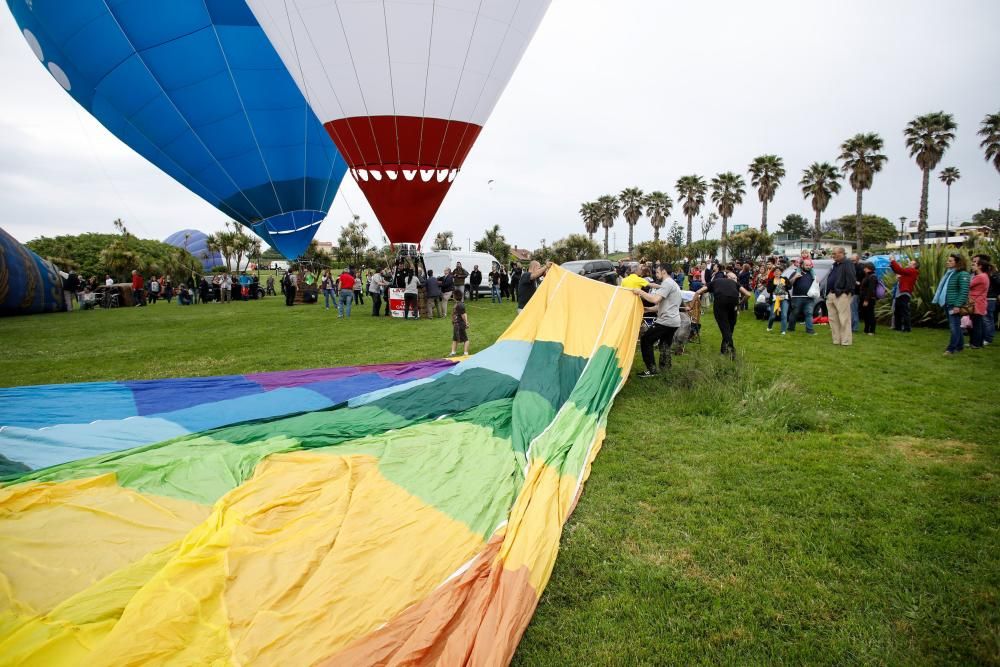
{"x":928,"y":137}
{"x":820,"y":181}
{"x":727,"y":193}
{"x":631,"y":201}
{"x":948,"y":176}
{"x":657,"y":205}
{"x":861,"y":160}
{"x":609,"y":211}
{"x":590,"y":211}
{"x":990,"y":132}
{"x":691,"y":192}
{"x":766,"y":173}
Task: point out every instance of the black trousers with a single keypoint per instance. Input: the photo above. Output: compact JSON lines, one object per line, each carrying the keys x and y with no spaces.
{"x":475,"y":292}
{"x":409,"y":301}
{"x":358,"y":298}
{"x":901,"y":316}
{"x":649,"y":339}
{"x":376,"y":304}
{"x":726,"y":311}
{"x":289,"y":295}
{"x":868,"y":316}
{"x":385,"y":300}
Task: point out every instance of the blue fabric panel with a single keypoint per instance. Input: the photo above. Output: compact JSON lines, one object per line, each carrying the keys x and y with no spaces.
{"x":69,"y":442}
{"x":339,"y":391}
{"x":259,"y":406}
{"x":46,"y":405}
{"x":153,"y":397}
{"x":196,"y":243}
{"x":291,"y":233}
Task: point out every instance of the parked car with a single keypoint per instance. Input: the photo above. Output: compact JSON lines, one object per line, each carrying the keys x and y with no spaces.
{"x":602,"y":270}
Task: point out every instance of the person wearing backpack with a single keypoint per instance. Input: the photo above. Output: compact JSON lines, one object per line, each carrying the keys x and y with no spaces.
{"x":802,"y":298}
{"x":868,"y":294}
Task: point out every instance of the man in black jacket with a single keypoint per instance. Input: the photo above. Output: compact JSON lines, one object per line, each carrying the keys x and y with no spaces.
{"x":841,"y":285}
{"x":475,"y":280}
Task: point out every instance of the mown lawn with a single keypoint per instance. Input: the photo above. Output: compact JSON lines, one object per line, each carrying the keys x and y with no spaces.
{"x":805,"y":504}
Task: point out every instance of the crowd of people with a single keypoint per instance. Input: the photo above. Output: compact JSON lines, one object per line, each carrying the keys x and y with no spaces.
{"x":789,"y":291}
{"x":221,"y":287}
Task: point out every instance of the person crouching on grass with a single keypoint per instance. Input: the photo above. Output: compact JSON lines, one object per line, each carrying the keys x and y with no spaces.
{"x":460,"y":325}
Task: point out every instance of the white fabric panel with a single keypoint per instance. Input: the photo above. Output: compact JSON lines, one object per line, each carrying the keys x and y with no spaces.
{"x":446,"y":59}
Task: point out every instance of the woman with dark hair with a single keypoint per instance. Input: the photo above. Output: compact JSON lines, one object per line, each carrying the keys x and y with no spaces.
{"x":952,"y":294}
{"x":979,"y":287}
{"x":869,"y":297}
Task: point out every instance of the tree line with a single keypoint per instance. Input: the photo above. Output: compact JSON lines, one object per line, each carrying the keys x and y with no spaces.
{"x":927,"y":137}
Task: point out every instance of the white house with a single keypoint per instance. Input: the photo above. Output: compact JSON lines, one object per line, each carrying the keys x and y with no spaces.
{"x":786,"y":245}
{"x":936,"y":235}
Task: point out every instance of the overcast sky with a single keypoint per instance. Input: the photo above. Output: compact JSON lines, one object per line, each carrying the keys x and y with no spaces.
{"x":608,"y":95}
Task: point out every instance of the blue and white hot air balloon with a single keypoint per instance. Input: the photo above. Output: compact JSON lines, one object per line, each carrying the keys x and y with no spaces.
{"x":196,"y":243}
{"x":197,"y":88}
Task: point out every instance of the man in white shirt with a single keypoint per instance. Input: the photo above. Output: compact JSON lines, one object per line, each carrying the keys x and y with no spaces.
{"x":667,"y":299}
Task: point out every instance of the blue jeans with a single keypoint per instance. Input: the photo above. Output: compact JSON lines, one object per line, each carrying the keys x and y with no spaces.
{"x":328,"y":297}
{"x":495,"y":294}
{"x":990,"y":322}
{"x":855,"y":312}
{"x":801,"y":305}
{"x":957,"y":342}
{"x":344,"y":302}
{"x":784,"y":316}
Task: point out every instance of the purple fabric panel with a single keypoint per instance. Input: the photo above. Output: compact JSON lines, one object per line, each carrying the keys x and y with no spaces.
{"x":398,"y":371}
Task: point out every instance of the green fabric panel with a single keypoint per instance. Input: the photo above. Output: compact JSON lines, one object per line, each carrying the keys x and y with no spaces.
{"x":196,"y":468}
{"x":316,"y":429}
{"x":596,"y":386}
{"x":550,"y":373}
{"x":530,"y":415}
{"x":450,"y":394}
{"x":495,"y":415}
{"x":10,"y":468}
{"x":565,"y":444}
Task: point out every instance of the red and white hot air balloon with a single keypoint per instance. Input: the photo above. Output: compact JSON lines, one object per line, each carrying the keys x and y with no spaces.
{"x":402,"y":86}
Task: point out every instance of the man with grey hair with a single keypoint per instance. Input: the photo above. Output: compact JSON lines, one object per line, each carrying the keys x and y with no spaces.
{"x":840,"y":288}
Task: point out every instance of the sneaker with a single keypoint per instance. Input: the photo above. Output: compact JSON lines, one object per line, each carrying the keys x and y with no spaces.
{"x":810,"y":333}
{"x":647,"y":374}
{"x":769,"y":330}
{"x":948,"y":353}
{"x":782,"y":333}
{"x":452,"y":354}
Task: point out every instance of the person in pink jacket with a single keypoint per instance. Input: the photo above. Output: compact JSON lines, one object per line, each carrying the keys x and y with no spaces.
{"x":979,"y":286}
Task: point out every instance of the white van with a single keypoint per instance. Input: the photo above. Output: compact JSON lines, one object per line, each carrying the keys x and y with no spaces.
{"x":437,"y":260}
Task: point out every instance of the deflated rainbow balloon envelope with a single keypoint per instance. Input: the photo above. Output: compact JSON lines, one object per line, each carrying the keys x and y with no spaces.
{"x":196,"y":88}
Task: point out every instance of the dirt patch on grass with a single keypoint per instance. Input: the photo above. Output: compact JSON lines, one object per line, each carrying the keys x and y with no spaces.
{"x":920,"y":450}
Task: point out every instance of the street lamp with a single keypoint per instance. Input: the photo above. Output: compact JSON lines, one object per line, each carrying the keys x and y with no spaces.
{"x":902,"y":224}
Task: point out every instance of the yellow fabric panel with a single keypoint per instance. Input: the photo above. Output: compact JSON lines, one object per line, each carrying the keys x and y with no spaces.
{"x":59,"y":538}
{"x":583,"y":321}
{"x":633,"y":281}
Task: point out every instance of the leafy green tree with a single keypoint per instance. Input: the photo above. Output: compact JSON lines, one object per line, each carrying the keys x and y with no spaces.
{"x":766,"y":172}
{"x":631,"y":201}
{"x":443,"y":241}
{"x":703,"y":248}
{"x":928,"y":137}
{"x":820,"y":181}
{"x":353,"y":243}
{"x":659,"y":251}
{"x":988,"y":217}
{"x":795,"y":225}
{"x":494,"y":243}
{"x":590,"y":211}
{"x":989,"y":130}
{"x":691,"y":194}
{"x":676,"y":235}
{"x":94,"y":255}
{"x":875,"y":230}
{"x":609,"y":211}
{"x":750,"y":244}
{"x":658,"y":205}
{"x":574,"y":247}
{"x":728,"y":190}
{"x":861,"y":159}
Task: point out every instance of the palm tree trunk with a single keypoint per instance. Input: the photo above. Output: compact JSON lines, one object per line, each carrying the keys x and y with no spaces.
{"x":631,"y":227}
{"x":947,"y":217}
{"x":605,"y":241}
{"x":725,"y":242}
{"x":922,"y":224}
{"x":689,"y":229}
{"x":591,"y":235}
{"x":817,"y":233}
{"x":763,"y":217}
{"x":656,"y":236}
{"x":857,"y":223}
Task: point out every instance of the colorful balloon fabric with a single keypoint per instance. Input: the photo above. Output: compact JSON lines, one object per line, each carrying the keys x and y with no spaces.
{"x":196,"y":88}
{"x":44,"y":425}
{"x":417,"y":524}
{"x":28,"y":283}
{"x":403,"y":87}
{"x":196,"y":243}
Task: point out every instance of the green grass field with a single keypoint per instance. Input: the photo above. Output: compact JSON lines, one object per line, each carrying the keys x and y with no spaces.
{"x":806,"y":504}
